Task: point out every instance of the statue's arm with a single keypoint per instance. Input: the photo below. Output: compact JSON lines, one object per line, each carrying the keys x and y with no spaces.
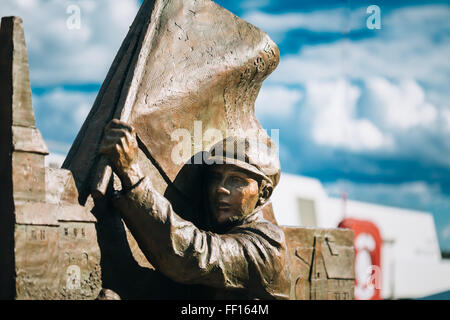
{"x":250,"y":258}
{"x":186,"y":254}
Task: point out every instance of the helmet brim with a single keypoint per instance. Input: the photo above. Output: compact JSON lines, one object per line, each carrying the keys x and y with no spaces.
{"x":217,"y":160}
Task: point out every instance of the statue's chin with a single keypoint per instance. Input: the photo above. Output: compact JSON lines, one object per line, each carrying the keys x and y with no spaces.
{"x":223,"y":225}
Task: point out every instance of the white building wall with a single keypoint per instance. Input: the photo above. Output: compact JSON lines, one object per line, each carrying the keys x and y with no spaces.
{"x":286,"y":195}
{"x":420,"y":278}
{"x":410,"y":257}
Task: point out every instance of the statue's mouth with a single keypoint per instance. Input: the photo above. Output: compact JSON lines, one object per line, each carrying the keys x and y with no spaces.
{"x":223,"y":205}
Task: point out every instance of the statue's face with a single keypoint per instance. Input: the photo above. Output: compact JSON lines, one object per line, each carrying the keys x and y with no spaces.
{"x":232,"y":193}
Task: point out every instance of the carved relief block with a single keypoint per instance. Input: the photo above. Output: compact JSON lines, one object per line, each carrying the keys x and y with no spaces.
{"x":28,"y":171}
{"x":322,"y":263}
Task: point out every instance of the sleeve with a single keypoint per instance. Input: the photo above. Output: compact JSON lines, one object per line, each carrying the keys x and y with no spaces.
{"x":247,"y":258}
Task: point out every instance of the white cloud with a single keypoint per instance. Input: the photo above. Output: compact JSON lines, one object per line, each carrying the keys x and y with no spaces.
{"x":399,"y":83}
{"x":319,"y":62}
{"x":59,"y":116}
{"x":58,"y":55}
{"x":253,"y":4}
{"x":446,"y":118}
{"x":27,"y":3}
{"x":445,"y":233}
{"x":57,"y":147}
{"x":82,"y":111}
{"x":74,"y":105}
{"x":411,"y":45}
{"x":54,"y":160}
{"x":277,"y":101}
{"x":331,"y":108}
{"x":395,"y":59}
{"x":424,"y":19}
{"x":401,"y":106}
{"x":418,"y":191}
{"x":330,"y":20}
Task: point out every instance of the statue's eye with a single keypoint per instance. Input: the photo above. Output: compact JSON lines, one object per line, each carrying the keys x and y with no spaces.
{"x":238,"y":180}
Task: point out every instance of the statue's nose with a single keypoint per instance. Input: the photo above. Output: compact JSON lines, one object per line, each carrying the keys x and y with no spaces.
{"x":222,"y":190}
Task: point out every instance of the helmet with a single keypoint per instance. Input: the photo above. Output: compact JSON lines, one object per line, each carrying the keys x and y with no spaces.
{"x":248,"y":154}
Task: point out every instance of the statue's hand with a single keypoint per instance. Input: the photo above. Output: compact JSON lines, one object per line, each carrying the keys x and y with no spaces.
{"x":120,"y":146}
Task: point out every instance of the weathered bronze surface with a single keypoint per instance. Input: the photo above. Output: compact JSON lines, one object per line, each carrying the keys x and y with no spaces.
{"x":241,"y":255}
{"x":48,"y":241}
{"x":182,"y":61}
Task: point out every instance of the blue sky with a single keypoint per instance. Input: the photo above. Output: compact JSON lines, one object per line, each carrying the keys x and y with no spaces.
{"x":365,"y":111}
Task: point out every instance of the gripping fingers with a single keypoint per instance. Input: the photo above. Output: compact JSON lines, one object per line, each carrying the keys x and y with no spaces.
{"x":119,"y":144}
{"x":108,"y":147}
{"x":117,"y":124}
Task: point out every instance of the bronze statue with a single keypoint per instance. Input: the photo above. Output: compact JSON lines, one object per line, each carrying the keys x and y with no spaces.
{"x":182,"y":63}
{"x":246,"y":256}
{"x":185,"y":64}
